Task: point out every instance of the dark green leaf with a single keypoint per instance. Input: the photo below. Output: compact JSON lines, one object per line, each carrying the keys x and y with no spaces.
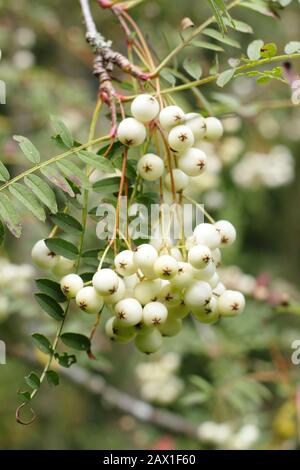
{"x":107,"y":185}
{"x":26,"y":197}
{"x":52,"y":377}
{"x":51,"y":288}
{"x":4,"y":174}
{"x":27,"y":147}
{"x":42,"y":191}
{"x":96,"y":161}
{"x":62,"y":247}
{"x":50,"y":306}
{"x":62,"y":130}
{"x":32,"y":380}
{"x":67,"y":222}
{"x":24,"y":395}
{"x":76,"y":341}
{"x":10,"y":216}
{"x":42,"y":343}
{"x":212,"y":33}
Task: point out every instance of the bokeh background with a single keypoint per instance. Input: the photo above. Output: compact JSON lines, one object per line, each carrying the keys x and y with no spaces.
{"x":232,"y":385}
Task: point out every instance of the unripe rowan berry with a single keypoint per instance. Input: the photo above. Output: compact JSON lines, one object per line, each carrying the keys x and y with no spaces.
{"x":196,"y":123}
{"x":207,"y":234}
{"x":63,"y":266}
{"x":131,"y":132}
{"x":42,"y":256}
{"x":129,"y":312}
{"x":144,"y":108}
{"x":227,"y":232}
{"x":169,"y":295}
{"x":181,"y":138}
{"x":198,"y":294}
{"x":179,"y":311}
{"x":171,"y":327}
{"x":145,"y":256}
{"x":171,"y":116}
{"x":125,"y":264}
{"x":150,"y":342}
{"x":147,"y":291}
{"x":180,"y":179}
{"x":206,"y":273}
{"x":184,"y":276}
{"x":154,"y":314}
{"x":199,"y":256}
{"x":231,"y":303}
{"x":166,"y":267}
{"x":70,"y":285}
{"x":192,"y":162}
{"x":118,"y":295}
{"x":89,"y":300}
{"x":208,"y":314}
{"x":150,"y":167}
{"x":105,"y":281}
{"x":214,"y":129}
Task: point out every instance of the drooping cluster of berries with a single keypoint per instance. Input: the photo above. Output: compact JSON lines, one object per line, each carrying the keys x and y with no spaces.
{"x":184,"y":133}
{"x":150,"y":291}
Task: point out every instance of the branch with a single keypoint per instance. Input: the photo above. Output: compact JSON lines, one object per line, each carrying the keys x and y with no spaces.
{"x":93,"y":36}
{"x":141,"y":410}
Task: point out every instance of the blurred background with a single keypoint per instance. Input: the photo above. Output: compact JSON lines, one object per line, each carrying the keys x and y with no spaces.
{"x":232,"y":385}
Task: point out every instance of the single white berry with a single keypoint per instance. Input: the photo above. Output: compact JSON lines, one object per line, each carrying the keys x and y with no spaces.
{"x":184,"y":276}
{"x":131,"y":281}
{"x":171,"y":116}
{"x":144,"y":108}
{"x":231,"y":303}
{"x":129,"y":312}
{"x":179,"y":311}
{"x":131,"y":132}
{"x":209,"y":313}
{"x":214,"y":129}
{"x":150,"y":342}
{"x":42,"y":256}
{"x":166,"y":267}
{"x":145,"y":256}
{"x":106,"y":281}
{"x":63,"y":266}
{"x":199,"y":256}
{"x":89,"y":300}
{"x":171,"y":327}
{"x":150,"y":167}
{"x":169,"y":295}
{"x":147,"y":291}
{"x":115,"y":332}
{"x":125,"y":264}
{"x":192,"y":162}
{"x":118,"y":295}
{"x":207,"y":234}
{"x":154,"y":314}
{"x":180,"y":180}
{"x":219,"y":289}
{"x":227,"y":232}
{"x":70,"y":285}
{"x":181,"y":138}
{"x":196,"y":123}
{"x":205,"y":274}
{"x":198,"y":294}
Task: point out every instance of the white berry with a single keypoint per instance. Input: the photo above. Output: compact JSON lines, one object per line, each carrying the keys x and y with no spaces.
{"x":227,"y":232}
{"x":166,"y":267}
{"x":89,"y":300}
{"x":129,"y":312}
{"x":171,"y":116}
{"x":169,"y":295}
{"x":145,"y":256}
{"x":184,"y":276}
{"x":231,"y":303}
{"x":150,"y":167}
{"x":207,"y":314}
{"x":63,"y":266}
{"x":219,"y":289}
{"x":171,"y":327}
{"x":42,"y":256}
{"x":105,"y":281}
{"x":115,"y":332}
{"x":199,"y":256}
{"x":196,"y":123}
{"x":131,"y":132}
{"x":70,"y":285}
{"x":154,"y":314}
{"x":207,"y":234}
{"x":180,"y":179}
{"x":147,"y":291}
{"x":214,"y":129}
{"x":125,"y":264}
{"x":150,"y":342}
{"x":144,"y":108}
{"x":118,"y":295}
{"x":198,"y":294}
{"x":205,"y":274}
{"x":192,"y":162}
{"x":181,"y":138}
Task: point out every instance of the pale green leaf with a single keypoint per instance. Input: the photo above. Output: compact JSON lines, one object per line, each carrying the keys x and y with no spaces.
{"x":27,"y":147}
{"x":4,"y":174}
{"x":292,"y":47}
{"x":213,"y":33}
{"x":57,"y":179}
{"x":207,"y":45}
{"x":96,"y":161}
{"x":62,"y":130}
{"x":42,"y":191}
{"x":27,"y":198}
{"x":254,"y":49}
{"x":10,"y":216}
{"x":75,"y":174}
{"x":225,"y":77}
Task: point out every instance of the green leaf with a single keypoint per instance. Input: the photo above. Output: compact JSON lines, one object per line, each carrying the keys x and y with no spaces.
{"x":75,"y":174}
{"x":4,"y":174}
{"x":52,"y":377}
{"x":62,"y":130}
{"x":207,"y":45}
{"x":65,"y":360}
{"x":96,"y":161}
{"x":225,"y":77}
{"x":238,"y":25}
{"x":67,"y":222}
{"x":50,"y":306}
{"x":57,"y":179}
{"x":259,"y":8}
{"x":264,"y":79}
{"x":212,"y":33}
{"x":254,"y":49}
{"x":62,"y":247}
{"x":292,"y":47}
{"x":168,"y":77}
{"x":25,"y":196}
{"x":192,"y":67}
{"x":42,"y":191}
{"x":76,"y":341}
{"x":107,"y":185}
{"x":269,"y":50}
{"x":24,"y":395}
{"x":220,"y":11}
{"x":42,"y":343}
{"x":32,"y":380}
{"x":10,"y":216}
{"x":51,"y":288}
{"x":27,"y":147}
{"x":2,"y":233}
